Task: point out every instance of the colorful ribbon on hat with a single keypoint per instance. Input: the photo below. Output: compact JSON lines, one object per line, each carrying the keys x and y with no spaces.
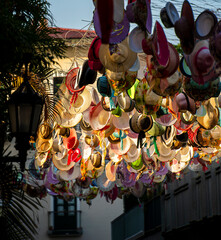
{"x":120,"y":134}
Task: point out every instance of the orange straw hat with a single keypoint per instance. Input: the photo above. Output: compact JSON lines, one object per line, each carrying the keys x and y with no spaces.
{"x":110,"y":170}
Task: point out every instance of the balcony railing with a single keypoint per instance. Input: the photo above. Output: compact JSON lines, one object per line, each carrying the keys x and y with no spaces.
{"x":66,"y":228}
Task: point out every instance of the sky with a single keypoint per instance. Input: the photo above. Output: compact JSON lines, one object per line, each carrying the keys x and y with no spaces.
{"x":72,"y":13}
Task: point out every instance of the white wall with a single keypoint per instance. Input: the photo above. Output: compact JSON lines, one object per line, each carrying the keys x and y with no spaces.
{"x":95,"y":219}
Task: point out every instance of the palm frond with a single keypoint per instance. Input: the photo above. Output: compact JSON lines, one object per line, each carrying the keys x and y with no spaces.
{"x":18,"y":209}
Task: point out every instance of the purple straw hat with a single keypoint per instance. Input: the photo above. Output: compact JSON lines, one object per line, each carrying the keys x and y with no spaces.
{"x":119,"y":32}
{"x":128,"y":180}
{"x":130,"y":12}
{"x":145,"y":178}
{"x":162,"y":171}
{"x":51,"y":177}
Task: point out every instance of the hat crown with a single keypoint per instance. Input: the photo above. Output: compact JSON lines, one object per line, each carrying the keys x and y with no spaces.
{"x":119,"y":54}
{"x":204,"y":60}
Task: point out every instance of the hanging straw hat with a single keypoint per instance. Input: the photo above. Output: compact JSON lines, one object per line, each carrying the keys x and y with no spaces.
{"x":201,"y":63}
{"x":205,"y":24}
{"x":157,"y":46}
{"x":156,"y":130}
{"x":71,"y":82}
{"x":87,"y":75}
{"x":139,"y":122}
{"x":125,"y":102}
{"x":62,"y":131}
{"x":169,"y":15}
{"x":185,"y":154}
{"x":166,"y":119}
{"x":62,"y":164}
{"x":41,"y":158}
{"x":121,"y":148}
{"x":71,"y":174}
{"x":133,"y":153}
{"x":85,"y":125}
{"x":45,"y":131}
{"x":175,"y":166}
{"x":118,"y":14}
{"x":114,"y":156}
{"x":117,"y":58}
{"x":185,"y":103}
{"x":210,"y":120}
{"x":93,"y":55}
{"x":104,"y":87}
{"x":165,"y":153}
{"x":118,"y":32}
{"x":70,"y":141}
{"x":104,"y":184}
{"x":172,"y":65}
{"x":214,"y":43}
{"x":59,"y":149}
{"x":98,"y":117}
{"x":121,"y":122}
{"x":135,"y":40}
{"x":137,"y":165}
{"x":68,"y":119}
{"x":96,"y":159}
{"x":82,"y":102}
{"x":143,"y":15}
{"x":168,"y":135}
{"x":146,"y":101}
{"x":92,"y":140}
{"x":43,"y":145}
{"x":110,"y":170}
{"x":184,"y":28}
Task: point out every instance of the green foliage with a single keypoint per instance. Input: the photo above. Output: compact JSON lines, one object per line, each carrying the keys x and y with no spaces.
{"x":25,"y":38}
{"x":179,"y":49}
{"x":18,"y":209}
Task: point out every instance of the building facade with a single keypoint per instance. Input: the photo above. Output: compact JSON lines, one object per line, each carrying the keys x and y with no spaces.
{"x":188,"y":208}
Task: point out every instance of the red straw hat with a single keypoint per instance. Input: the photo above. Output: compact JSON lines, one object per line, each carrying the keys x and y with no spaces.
{"x":70,"y":141}
{"x":93,"y":55}
{"x":105,"y":11}
{"x":71,"y":83}
{"x":157,"y":46}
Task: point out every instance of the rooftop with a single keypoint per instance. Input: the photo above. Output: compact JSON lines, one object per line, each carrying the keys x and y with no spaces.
{"x":69,"y":33}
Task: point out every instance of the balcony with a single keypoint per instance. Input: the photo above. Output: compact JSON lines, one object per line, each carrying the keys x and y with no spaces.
{"x":64,"y":224}
{"x":129,"y":225}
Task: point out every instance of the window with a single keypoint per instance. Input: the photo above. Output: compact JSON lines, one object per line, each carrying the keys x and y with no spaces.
{"x":65,"y":219}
